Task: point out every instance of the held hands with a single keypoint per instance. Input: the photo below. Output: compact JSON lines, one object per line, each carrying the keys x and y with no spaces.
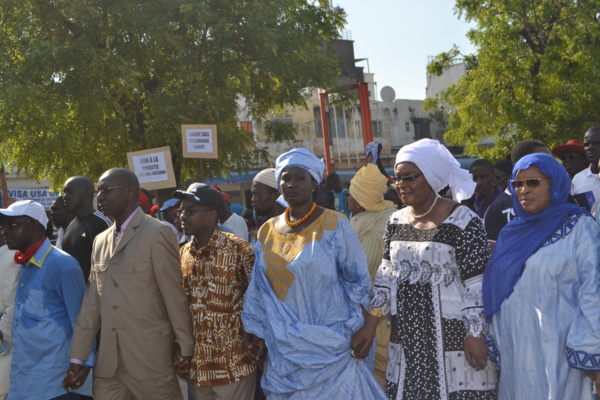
{"x":254,"y":348}
{"x":363,"y":339}
{"x":75,"y":377}
{"x":181,"y":364}
{"x":476,"y":352}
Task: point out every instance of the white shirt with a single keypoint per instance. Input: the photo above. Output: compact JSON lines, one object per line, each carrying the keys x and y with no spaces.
{"x":588,"y":183}
{"x":238,"y":225}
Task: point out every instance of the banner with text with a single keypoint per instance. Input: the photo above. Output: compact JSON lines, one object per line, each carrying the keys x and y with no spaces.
{"x":42,"y":195}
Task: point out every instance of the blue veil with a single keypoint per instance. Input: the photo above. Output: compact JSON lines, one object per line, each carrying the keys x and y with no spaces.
{"x":524,"y":235}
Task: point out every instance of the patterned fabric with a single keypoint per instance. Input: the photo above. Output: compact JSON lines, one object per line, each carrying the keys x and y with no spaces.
{"x":216,"y":277}
{"x":429,"y":283}
{"x":547,"y":332}
{"x":305,"y":301}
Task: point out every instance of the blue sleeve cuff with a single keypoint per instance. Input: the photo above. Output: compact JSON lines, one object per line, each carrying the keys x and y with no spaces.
{"x":583,"y":360}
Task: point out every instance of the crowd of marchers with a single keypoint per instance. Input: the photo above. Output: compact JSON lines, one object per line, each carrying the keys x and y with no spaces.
{"x":434,"y":283}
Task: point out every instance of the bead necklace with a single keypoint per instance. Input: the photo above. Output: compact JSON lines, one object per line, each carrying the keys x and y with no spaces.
{"x":410,"y":209}
{"x":301,"y":220}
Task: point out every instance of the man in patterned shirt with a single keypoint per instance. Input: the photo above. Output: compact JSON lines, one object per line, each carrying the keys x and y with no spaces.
{"x":216,"y":272}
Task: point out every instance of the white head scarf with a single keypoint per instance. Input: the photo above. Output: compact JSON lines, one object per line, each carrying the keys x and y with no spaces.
{"x":299,"y":158}
{"x":439,"y":167}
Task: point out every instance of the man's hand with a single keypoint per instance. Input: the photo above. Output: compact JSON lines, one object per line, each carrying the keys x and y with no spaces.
{"x":181,"y":364}
{"x":75,"y":376}
{"x":254,"y":348}
{"x":476,"y":352}
{"x":363,"y":339}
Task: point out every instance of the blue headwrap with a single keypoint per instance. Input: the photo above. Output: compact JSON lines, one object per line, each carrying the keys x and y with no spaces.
{"x":373,"y":149}
{"x":299,"y":158}
{"x":524,"y":235}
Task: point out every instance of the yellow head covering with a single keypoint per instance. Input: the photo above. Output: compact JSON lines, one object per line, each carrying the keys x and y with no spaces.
{"x":368,"y":187}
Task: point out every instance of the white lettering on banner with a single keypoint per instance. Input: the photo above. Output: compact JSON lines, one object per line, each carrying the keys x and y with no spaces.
{"x":42,"y":195}
{"x":150,"y":168}
{"x":199,"y":140}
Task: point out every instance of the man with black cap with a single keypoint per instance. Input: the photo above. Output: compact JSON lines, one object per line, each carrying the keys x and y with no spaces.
{"x":216,"y":268}
{"x":49,"y":295}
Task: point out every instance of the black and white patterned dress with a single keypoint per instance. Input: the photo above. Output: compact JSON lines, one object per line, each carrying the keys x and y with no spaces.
{"x":429,"y":283}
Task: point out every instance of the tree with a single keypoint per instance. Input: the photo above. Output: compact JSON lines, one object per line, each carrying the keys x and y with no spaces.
{"x":84,"y":82}
{"x":536,"y":74}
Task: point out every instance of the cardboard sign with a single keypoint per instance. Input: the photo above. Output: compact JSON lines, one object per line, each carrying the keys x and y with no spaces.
{"x":199,"y":141}
{"x":153,"y":167}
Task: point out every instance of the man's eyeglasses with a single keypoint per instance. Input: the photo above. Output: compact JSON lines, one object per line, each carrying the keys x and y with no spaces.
{"x":107,"y":190}
{"x":531,"y":182}
{"x":406,"y":179}
{"x":9,"y":226}
{"x":190,"y":212}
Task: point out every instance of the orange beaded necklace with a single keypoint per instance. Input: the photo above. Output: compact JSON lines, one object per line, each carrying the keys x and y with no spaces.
{"x":301,"y":220}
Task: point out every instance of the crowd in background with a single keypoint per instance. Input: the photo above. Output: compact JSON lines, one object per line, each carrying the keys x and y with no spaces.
{"x":435,"y":283}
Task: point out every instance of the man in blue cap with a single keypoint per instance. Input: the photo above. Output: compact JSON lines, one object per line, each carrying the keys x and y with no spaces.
{"x":168,"y":214}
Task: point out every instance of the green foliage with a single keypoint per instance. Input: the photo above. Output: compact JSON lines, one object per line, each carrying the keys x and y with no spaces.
{"x":84,"y":82}
{"x":536,"y":74}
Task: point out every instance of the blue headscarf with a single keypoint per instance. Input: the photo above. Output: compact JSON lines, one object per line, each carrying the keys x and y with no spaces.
{"x":299,"y":158}
{"x":524,"y":235}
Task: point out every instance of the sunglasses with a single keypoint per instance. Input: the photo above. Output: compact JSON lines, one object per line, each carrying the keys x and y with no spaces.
{"x":406,"y":179}
{"x":530,"y":182}
{"x":569,"y":156}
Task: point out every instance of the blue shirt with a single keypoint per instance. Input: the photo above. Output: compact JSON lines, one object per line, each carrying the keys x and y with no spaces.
{"x":49,"y":295}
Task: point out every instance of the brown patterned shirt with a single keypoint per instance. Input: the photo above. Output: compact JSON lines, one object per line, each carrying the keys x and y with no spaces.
{"x":215,"y":279}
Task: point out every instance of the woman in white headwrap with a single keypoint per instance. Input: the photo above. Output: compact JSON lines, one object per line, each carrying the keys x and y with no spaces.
{"x":308,"y":295}
{"x":370,"y":214}
{"x":429,"y":283}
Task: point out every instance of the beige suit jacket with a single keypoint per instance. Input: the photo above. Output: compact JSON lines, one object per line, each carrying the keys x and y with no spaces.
{"x":135,"y":298}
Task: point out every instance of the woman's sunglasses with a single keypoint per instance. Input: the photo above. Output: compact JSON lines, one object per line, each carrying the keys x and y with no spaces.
{"x":531,"y":182}
{"x":405,"y":179}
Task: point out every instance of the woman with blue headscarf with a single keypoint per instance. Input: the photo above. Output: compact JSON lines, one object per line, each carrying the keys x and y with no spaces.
{"x":541,"y":289}
{"x":308,"y":291}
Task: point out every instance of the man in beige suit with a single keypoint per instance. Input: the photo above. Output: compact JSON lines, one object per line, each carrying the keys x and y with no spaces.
{"x":136,"y":301}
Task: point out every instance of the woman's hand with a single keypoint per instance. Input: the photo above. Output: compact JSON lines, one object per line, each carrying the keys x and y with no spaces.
{"x":363,"y":339}
{"x":476,"y":352}
{"x":254,"y":348}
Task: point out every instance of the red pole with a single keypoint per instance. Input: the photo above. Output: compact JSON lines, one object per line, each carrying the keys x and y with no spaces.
{"x":323,"y":100}
{"x":365,"y":112}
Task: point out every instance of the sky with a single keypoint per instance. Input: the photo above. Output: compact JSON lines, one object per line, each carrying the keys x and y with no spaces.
{"x":397,"y":36}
